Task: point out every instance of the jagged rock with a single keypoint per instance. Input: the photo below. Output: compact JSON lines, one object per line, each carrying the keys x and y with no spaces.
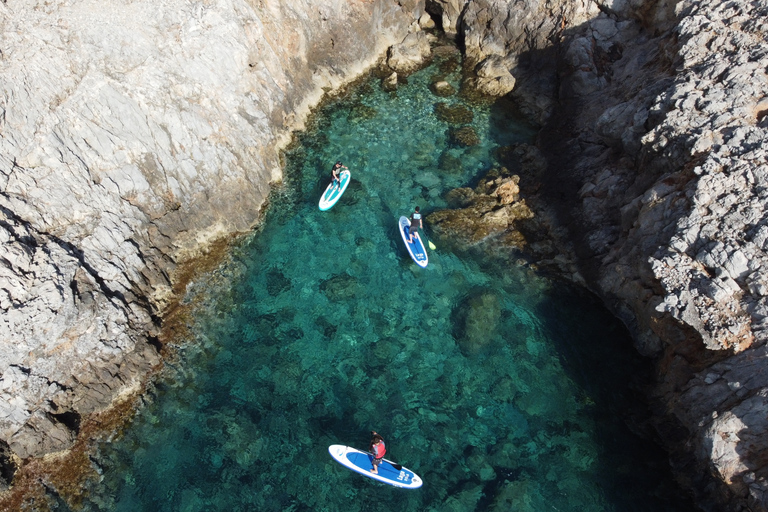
{"x":662,"y":133}
{"x":491,"y":209}
{"x":499,"y":32}
{"x":410,"y":55}
{"x":449,"y":12}
{"x":493,"y":77}
{"x":390,"y":83}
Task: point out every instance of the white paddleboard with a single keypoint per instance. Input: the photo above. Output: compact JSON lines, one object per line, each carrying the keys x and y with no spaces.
{"x":332,"y":194}
{"x":416,"y":248}
{"x":361,"y":462}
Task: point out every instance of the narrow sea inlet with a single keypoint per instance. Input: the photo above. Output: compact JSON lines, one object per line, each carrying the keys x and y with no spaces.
{"x":503,"y":390}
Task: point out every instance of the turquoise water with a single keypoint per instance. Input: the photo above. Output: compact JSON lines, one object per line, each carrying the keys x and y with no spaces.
{"x":502,"y":390}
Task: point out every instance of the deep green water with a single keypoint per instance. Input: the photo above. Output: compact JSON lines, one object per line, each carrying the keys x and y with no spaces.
{"x":504,"y":391}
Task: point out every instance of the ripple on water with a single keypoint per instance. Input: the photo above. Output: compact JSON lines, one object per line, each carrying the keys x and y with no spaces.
{"x":503,"y":390}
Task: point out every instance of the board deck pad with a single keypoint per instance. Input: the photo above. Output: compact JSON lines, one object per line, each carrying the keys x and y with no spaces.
{"x":416,"y":248}
{"x":361,"y":462}
{"x":331,"y":195}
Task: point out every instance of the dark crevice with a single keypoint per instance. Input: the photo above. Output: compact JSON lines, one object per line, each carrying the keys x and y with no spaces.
{"x":22,"y":369}
{"x":70,"y":419}
{"x":7,"y":466}
{"x":154,"y":341}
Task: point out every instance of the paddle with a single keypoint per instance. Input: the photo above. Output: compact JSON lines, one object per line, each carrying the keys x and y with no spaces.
{"x":396,"y":466}
{"x":431,"y":245}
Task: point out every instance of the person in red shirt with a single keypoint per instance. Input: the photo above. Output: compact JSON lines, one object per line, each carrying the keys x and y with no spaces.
{"x":377,"y":450}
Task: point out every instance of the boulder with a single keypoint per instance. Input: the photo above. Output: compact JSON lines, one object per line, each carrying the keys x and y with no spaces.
{"x":493,"y":77}
{"x":410,"y":55}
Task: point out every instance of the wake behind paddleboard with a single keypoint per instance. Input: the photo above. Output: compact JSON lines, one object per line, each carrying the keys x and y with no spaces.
{"x":332,"y":194}
{"x":361,"y":462}
{"x":416,"y":248}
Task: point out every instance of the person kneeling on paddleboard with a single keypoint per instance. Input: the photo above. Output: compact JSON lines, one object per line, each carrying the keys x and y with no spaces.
{"x":336,"y":171}
{"x":377,"y":450}
{"x":415,"y":224}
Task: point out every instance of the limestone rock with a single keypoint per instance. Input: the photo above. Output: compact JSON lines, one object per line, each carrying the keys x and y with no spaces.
{"x":410,"y":55}
{"x":390,"y":82}
{"x":449,"y":12}
{"x":493,"y":77}
{"x":426,"y":22}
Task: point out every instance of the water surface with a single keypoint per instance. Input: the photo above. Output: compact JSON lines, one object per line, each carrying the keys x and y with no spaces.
{"x":503,"y":390}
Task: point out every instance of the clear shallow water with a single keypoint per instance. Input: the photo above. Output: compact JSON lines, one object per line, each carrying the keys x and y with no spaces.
{"x":501,"y":389}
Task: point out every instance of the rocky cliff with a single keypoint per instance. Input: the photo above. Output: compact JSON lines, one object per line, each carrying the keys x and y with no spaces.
{"x":132,"y":135}
{"x":654,"y":133}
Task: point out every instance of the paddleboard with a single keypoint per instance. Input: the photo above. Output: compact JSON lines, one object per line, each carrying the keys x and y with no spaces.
{"x":415,"y":248}
{"x":332,"y":194}
{"x":361,"y":462}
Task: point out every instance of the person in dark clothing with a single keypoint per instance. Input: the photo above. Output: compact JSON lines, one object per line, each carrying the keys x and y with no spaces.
{"x":336,"y":172}
{"x":416,"y":224}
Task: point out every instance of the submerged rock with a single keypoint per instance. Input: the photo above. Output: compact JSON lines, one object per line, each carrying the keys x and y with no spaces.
{"x":464,"y":136}
{"x":491,"y":209}
{"x":442,"y":88}
{"x":390,"y":83}
{"x":476,"y":321}
{"x":277,"y":283}
{"x":340,"y":287}
{"x":453,"y":114}
{"x":450,"y":163}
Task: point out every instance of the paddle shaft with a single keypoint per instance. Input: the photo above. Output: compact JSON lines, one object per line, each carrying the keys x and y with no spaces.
{"x":396,"y":466}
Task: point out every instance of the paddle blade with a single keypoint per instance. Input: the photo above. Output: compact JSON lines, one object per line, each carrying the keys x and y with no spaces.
{"x":431,"y":245}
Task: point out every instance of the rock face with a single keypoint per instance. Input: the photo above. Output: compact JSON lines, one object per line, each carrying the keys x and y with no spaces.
{"x":656,"y":114}
{"x":512,"y":46}
{"x":132,"y":134}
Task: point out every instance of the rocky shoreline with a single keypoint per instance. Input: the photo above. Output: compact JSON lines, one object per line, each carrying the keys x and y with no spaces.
{"x":654,"y":133}
{"x":138,"y":135}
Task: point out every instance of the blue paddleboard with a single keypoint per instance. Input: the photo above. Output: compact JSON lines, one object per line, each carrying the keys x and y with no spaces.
{"x":416,"y":248}
{"x":331,"y":194}
{"x":361,"y":462}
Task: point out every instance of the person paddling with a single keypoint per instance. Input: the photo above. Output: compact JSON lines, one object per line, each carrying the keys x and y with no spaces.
{"x":377,"y":450}
{"x":415,"y":225}
{"x":336,"y":172}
